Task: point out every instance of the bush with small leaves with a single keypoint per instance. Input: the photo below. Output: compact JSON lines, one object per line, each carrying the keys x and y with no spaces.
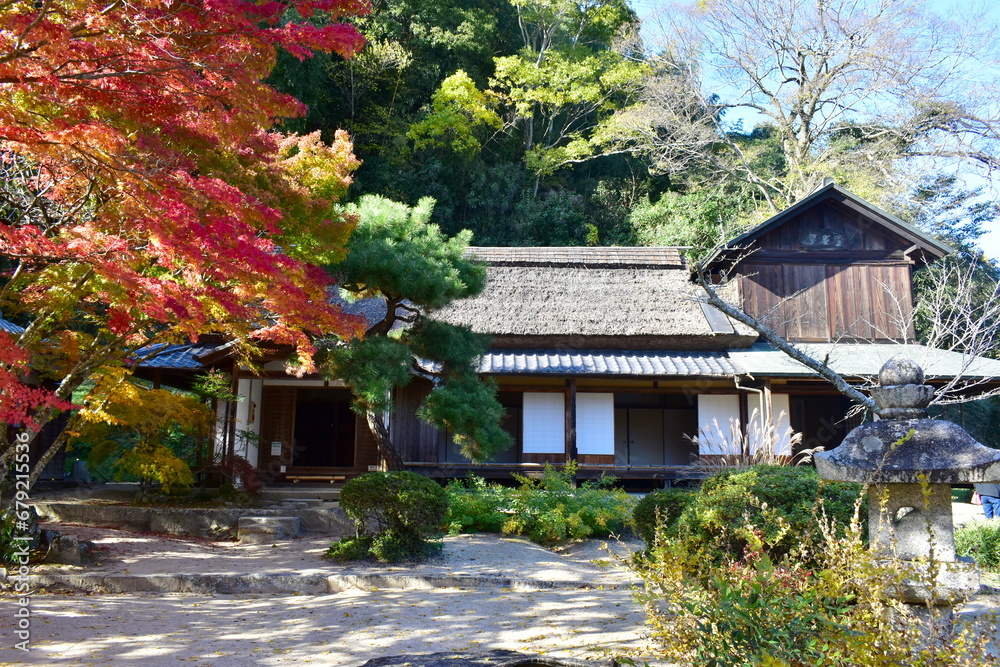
{"x":660,"y":508}
{"x":822,"y":604}
{"x":779,"y":501}
{"x":980,"y":540}
{"x":548,"y":510}
{"x":395,"y":513}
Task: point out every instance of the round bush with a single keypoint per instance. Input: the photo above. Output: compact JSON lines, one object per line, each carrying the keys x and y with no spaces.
{"x":394,"y":512}
{"x":663,"y":507}
{"x":776,"y":502}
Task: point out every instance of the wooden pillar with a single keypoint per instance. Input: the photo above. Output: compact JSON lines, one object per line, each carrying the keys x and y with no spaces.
{"x":571,"y":453}
{"x":767,"y":418}
{"x":745,"y":411}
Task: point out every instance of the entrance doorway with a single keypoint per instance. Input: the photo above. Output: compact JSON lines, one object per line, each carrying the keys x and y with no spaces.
{"x":324,"y":429}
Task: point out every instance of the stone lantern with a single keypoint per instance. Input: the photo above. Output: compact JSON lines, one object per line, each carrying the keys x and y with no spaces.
{"x":910,"y":463}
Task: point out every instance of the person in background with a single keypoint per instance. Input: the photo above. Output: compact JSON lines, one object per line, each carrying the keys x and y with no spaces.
{"x":990,"y":494}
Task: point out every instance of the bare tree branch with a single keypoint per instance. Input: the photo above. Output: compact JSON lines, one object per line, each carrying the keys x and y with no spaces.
{"x":704,"y":278}
{"x":846,"y":87}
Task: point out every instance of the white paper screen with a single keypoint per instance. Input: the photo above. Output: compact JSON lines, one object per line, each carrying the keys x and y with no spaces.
{"x":544,"y":423}
{"x":780,"y":411}
{"x":595,"y":424}
{"x":717,"y":416}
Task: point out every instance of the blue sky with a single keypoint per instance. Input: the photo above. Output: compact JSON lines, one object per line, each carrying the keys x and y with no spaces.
{"x":990,"y":242}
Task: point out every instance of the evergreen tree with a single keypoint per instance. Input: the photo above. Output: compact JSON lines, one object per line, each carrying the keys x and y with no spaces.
{"x":395,"y":254}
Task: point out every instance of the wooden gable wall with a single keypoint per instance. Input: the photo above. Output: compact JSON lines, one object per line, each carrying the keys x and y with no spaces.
{"x":829,"y":274}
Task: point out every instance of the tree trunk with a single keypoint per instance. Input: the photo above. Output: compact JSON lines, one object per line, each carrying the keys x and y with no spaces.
{"x":385,"y":447}
{"x":52,"y":450}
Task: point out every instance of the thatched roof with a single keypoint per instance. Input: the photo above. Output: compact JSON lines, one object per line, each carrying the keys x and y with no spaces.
{"x":636,"y":298}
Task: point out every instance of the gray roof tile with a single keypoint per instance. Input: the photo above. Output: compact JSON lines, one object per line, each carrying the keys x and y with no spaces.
{"x":862,"y":359}
{"x":10,"y":327}
{"x":608,"y":362}
{"x":179,"y":357}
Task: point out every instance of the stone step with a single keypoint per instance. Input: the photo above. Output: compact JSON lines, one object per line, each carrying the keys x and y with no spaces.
{"x":302,"y":493}
{"x":264,"y":529}
{"x":213,"y":522}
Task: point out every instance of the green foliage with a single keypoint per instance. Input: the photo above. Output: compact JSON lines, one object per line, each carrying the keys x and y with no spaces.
{"x":8,"y":531}
{"x":823,"y":604}
{"x":215,"y":384}
{"x":547,"y":510}
{"x":468,"y":408}
{"x":566,"y":98}
{"x":555,"y":218}
{"x":398,"y":255}
{"x":456,"y":348}
{"x":372,"y":367}
{"x":395,"y":514}
{"x":659,"y":509}
{"x":699,"y":218}
{"x":459,"y":113}
{"x":981,"y":541}
{"x":779,"y":501}
{"x":477,"y":506}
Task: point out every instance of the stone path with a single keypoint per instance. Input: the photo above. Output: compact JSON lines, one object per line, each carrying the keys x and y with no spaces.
{"x":483,"y":593}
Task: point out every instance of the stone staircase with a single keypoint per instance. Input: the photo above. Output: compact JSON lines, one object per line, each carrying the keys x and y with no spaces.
{"x":267,"y":529}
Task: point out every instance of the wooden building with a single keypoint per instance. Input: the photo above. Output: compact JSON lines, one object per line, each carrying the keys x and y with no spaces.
{"x":611,"y":357}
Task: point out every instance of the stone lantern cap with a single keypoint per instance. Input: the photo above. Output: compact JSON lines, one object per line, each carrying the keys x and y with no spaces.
{"x":904,"y":446}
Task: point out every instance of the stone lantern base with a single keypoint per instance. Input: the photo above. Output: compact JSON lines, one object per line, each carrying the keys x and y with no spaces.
{"x":939,"y":584}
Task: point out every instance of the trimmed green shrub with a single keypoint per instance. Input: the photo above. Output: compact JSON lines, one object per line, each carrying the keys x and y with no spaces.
{"x":395,"y":513}
{"x":981,"y":541}
{"x":547,"y":510}
{"x":661,"y":508}
{"x":778,"y":502}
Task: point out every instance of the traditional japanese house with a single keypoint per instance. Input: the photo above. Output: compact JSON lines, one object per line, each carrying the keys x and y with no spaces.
{"x":609,"y":356}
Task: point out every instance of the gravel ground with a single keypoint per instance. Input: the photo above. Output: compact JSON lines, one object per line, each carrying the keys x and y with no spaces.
{"x":589,"y":616}
{"x":348,"y":628}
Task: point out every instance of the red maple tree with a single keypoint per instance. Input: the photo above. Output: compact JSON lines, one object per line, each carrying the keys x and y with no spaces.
{"x":144,"y":196}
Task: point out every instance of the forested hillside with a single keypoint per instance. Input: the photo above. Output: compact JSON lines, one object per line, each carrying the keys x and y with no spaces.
{"x":563,"y":122}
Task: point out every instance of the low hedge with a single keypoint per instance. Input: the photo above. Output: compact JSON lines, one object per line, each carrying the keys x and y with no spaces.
{"x":395,"y":513}
{"x":661,"y":508}
{"x":778,"y":503}
{"x":980,"y":540}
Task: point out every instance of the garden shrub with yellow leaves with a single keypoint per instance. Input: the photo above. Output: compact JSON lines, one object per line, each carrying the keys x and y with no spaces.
{"x":820,"y":604}
{"x":142,"y":433}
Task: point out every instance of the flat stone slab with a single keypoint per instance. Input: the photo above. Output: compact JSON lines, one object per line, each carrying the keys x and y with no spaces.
{"x":211,"y":523}
{"x":298,"y":584}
